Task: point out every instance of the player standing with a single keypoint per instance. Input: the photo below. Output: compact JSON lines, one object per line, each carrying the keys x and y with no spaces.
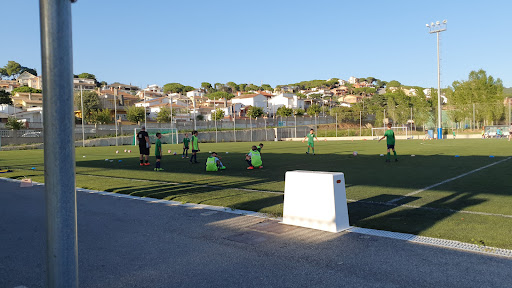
{"x":390,"y":139}
{"x":186,"y":141}
{"x":158,"y":152}
{"x":195,"y":147}
{"x":311,"y":142}
{"x":144,"y":145}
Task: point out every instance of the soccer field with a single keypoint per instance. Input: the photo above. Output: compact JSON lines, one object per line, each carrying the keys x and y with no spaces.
{"x":434,"y":193}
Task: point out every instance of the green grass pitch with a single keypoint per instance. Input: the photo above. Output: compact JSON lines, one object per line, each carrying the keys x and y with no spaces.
{"x":476,"y":208}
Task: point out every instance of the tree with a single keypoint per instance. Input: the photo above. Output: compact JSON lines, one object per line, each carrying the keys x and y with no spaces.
{"x":164,"y":116}
{"x":299,"y":112}
{"x":26,"y":89}
{"x":314,"y":109}
{"x":13,"y":123}
{"x":87,"y":76}
{"x":29,"y":70}
{"x":135,"y":114}
{"x":218,"y":114}
{"x":301,"y":96}
{"x":233,"y":86}
{"x":241,"y":87}
{"x":482,"y":90}
{"x":12,"y":69}
{"x":254,"y":112}
{"x":200,"y":117}
{"x":393,"y":83}
{"x":91,"y":103}
{"x":370,"y":80}
{"x":207,"y":87}
{"x":173,"y":88}
{"x":187,"y":89}
{"x":251,"y":87}
{"x":5,"y":97}
{"x":103,"y":83}
{"x":220,"y":94}
{"x":266,"y":87}
{"x":103,"y":116}
{"x":3,"y":73}
{"x":332,"y":82}
{"x":283,"y":111}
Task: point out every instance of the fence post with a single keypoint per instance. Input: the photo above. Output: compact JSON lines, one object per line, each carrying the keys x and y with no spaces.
{"x":336,"y":124}
{"x":266,"y":136}
{"x":250,"y":121}
{"x":295,"y":120}
{"x":234,"y":126}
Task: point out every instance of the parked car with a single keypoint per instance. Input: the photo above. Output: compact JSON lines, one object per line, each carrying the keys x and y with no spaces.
{"x":32,"y":134}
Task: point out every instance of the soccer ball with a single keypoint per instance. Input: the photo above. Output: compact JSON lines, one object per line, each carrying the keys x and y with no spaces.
{"x":227,"y":152}
{"x":174,"y":153}
{"x":169,"y":151}
{"x":124,"y":150}
{"x":129,"y":151}
{"x":355,"y":153}
{"x":117,"y":151}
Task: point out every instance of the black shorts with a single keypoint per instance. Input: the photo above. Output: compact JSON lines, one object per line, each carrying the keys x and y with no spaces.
{"x":391,"y":146}
{"x":143,"y":150}
{"x":185,"y":148}
{"x":158,"y":156}
{"x":195,"y":151}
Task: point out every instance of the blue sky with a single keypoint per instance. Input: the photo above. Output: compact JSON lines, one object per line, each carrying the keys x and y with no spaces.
{"x":274,"y":42}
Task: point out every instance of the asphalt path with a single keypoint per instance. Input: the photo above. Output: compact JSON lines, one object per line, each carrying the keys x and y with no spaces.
{"x":132,"y":243}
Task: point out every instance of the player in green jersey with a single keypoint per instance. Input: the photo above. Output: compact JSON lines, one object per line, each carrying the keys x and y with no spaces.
{"x":260,"y":147}
{"x":195,"y":147}
{"x":390,"y":139}
{"x":213,"y":163}
{"x":186,"y":142}
{"x":158,"y":152}
{"x":311,"y":143}
{"x":253,"y":158}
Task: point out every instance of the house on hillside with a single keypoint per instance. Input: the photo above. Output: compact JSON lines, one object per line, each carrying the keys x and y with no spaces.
{"x":287,"y":100}
{"x":24,"y":78}
{"x":196,"y":93}
{"x":255,"y":100}
{"x":124,"y":87}
{"x":27,"y":100}
{"x":84,"y":84}
{"x":353,"y":80}
{"x":149,"y":94}
{"x":8,"y":85}
{"x":154,"y":88}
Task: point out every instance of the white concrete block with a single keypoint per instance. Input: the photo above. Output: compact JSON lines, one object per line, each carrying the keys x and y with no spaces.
{"x":315,"y":199}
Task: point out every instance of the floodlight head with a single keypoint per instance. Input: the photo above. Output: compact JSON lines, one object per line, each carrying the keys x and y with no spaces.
{"x":432,"y":24}
{"x":437,"y":23}
{"x":426,"y":25}
{"x":444,"y":21}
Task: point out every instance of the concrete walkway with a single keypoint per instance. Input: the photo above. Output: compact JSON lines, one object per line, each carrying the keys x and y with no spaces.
{"x":130,"y":243}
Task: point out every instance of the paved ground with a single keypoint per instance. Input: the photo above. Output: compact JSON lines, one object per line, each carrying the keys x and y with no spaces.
{"x":131,"y":243}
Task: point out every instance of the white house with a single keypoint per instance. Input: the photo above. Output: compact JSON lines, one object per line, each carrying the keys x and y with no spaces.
{"x":24,"y":78}
{"x":85,"y":84}
{"x":9,"y":109}
{"x":254,"y":100}
{"x":342,"y":82}
{"x":32,"y":115}
{"x":195,"y":93}
{"x":154,"y":88}
{"x":287,"y":100}
{"x":353,"y":80}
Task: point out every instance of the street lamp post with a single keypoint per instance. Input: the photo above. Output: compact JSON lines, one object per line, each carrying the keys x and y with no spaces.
{"x":437,"y":28}
{"x":115,"y":113}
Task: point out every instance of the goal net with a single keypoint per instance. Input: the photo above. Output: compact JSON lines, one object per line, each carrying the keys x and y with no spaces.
{"x":169,"y":135}
{"x":377,"y":133}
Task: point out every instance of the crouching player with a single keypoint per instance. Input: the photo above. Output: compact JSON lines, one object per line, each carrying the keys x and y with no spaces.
{"x":253,"y":158}
{"x":213,"y":163}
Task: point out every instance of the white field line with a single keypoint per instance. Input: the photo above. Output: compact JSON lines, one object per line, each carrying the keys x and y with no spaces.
{"x":447,"y":180}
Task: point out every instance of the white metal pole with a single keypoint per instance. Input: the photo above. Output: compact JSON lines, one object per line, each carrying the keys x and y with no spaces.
{"x":234,"y":124}
{"x":295,"y":120}
{"x":360,"y":123}
{"x":170,"y":97}
{"x":194,"y":105}
{"x":215,"y":125}
{"x":115,"y":113}
{"x":336,"y":124}
{"x":250,"y":123}
{"x":439,"y":119}
{"x":266,"y":136}
{"x":83,"y":116}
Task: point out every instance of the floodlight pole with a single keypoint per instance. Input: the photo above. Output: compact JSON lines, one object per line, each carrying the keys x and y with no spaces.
{"x":59,"y":156}
{"x":437,"y":28}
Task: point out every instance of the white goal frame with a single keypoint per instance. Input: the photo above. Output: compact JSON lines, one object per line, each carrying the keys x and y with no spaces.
{"x":153,"y":131}
{"x":376,"y":137}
